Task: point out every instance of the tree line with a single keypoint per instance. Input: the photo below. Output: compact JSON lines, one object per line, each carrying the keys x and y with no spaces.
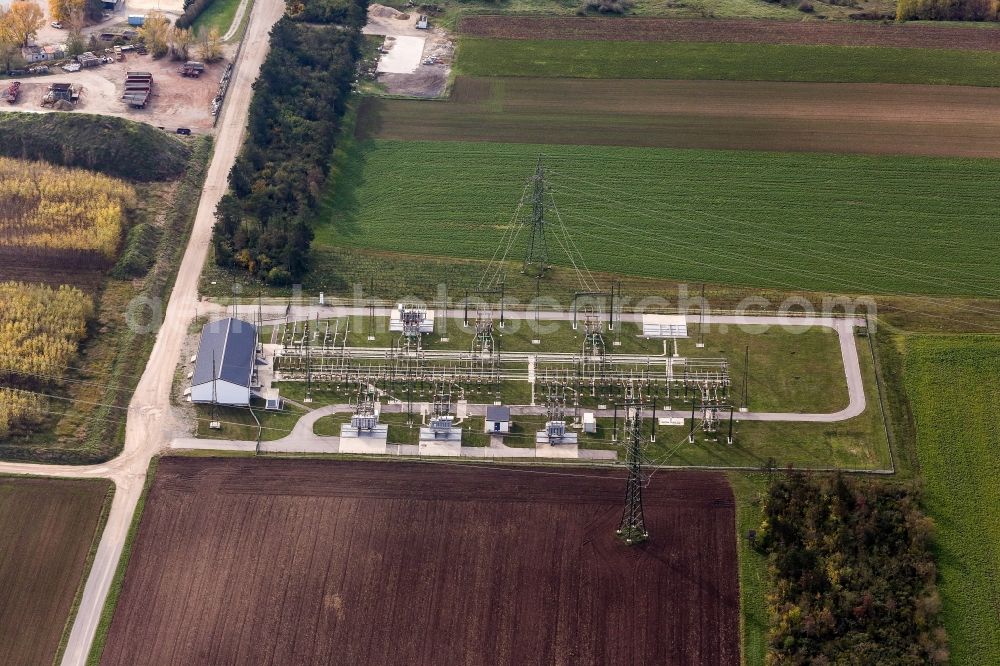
{"x":853,"y":580}
{"x":179,"y":40}
{"x":948,"y":10}
{"x":263,"y":222}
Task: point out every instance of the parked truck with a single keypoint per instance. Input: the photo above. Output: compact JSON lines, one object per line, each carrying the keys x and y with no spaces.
{"x":192,"y":69}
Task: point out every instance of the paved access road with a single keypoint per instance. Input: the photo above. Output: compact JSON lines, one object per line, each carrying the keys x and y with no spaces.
{"x":149,"y":426}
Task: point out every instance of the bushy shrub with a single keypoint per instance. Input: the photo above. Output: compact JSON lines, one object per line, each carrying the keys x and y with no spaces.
{"x":192,"y":10}
{"x":341,"y":12}
{"x":609,"y":6}
{"x":139,"y":253}
{"x":948,"y":10}
{"x":853,"y":580}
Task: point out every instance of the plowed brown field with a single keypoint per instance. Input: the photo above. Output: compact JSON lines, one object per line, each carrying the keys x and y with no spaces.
{"x":321,"y":562}
{"x":47,"y":527}
{"x":53,"y":267}
{"x":741,"y":31}
{"x":744,"y":115}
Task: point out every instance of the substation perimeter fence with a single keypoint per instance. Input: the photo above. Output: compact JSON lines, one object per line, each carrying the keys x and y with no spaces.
{"x":503,"y":462}
{"x":457,"y":307}
{"x":880,"y":391}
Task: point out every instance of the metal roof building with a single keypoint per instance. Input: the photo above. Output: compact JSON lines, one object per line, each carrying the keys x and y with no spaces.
{"x":223,"y":371}
{"x":497,"y":419}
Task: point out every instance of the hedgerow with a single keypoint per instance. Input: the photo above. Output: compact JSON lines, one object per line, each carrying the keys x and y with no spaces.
{"x":300,"y":97}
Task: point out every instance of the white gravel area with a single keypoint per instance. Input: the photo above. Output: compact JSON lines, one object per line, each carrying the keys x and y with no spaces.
{"x":404,"y":55}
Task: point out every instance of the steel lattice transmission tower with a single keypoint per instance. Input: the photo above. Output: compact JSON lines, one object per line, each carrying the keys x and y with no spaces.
{"x":632,"y":529}
{"x":537,"y":253}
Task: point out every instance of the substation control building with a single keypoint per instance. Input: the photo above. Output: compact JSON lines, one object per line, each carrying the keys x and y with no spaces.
{"x":497,"y":419}
{"x":223,"y":371}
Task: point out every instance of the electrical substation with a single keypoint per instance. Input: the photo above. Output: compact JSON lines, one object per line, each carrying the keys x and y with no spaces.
{"x":438,"y":379}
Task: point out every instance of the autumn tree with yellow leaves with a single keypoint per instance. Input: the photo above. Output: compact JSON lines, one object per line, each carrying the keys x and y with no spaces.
{"x":155,"y":31}
{"x":21,"y":21}
{"x":65,"y":10}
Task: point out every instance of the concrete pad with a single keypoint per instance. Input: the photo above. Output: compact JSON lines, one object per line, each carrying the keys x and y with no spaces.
{"x":403,"y":57}
{"x":545,"y":450}
{"x":374,"y":442}
{"x":313,"y":445}
{"x":190,"y":443}
{"x":449,"y":444}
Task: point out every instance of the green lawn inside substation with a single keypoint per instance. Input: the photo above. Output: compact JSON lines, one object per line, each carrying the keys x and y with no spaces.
{"x":238,"y":423}
{"x":794,"y":369}
{"x":803,"y":369}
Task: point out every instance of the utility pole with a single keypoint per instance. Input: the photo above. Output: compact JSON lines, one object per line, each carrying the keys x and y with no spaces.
{"x":632,"y":528}
{"x":701,"y":320}
{"x":306,"y":341}
{"x":537,"y":253}
{"x":744,"y":405}
{"x":371,"y":310}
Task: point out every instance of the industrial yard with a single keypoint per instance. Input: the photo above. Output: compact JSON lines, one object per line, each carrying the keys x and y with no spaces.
{"x":176,"y":101}
{"x":416,"y":56}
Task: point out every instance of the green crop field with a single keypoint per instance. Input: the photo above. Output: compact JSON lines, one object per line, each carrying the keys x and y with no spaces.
{"x":52,"y":523}
{"x":786,"y":221}
{"x":952,"y":387}
{"x":741,"y":62}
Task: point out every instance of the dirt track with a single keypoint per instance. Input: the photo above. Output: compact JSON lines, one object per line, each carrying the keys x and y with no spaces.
{"x":309,"y":562}
{"x":150,"y":419}
{"x":908,"y":35}
{"x":748,"y":115}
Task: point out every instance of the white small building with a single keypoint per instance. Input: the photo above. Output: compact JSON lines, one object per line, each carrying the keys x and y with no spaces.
{"x":497,"y":420}
{"x":223,"y":371}
{"x":272,"y":399}
{"x":589,"y":423}
{"x":664,"y":326}
{"x":34,"y":54}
